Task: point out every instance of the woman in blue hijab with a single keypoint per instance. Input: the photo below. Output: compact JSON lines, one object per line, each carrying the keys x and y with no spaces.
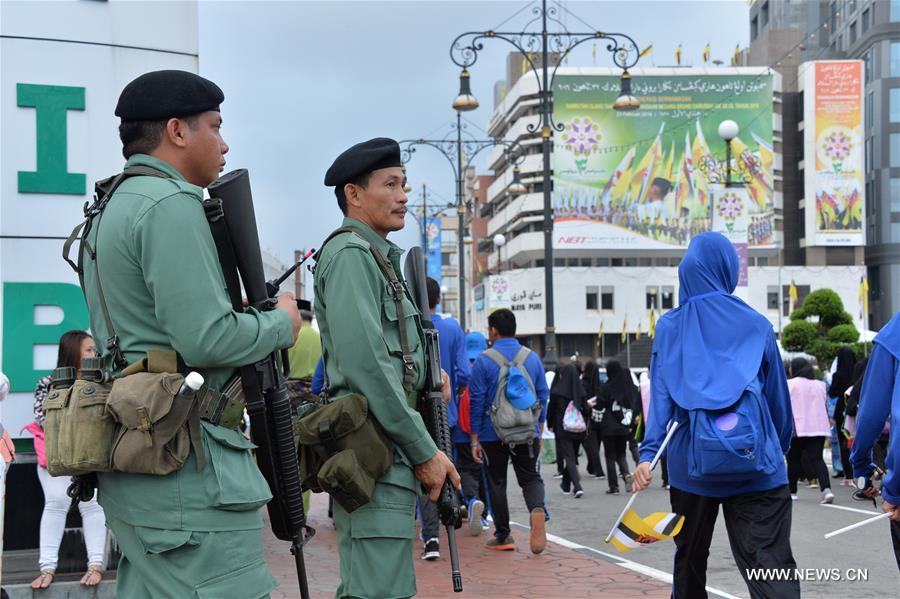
{"x":716,"y":370}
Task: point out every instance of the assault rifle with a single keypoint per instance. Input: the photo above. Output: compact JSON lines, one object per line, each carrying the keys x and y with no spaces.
{"x":233,"y":224}
{"x":431,"y":406}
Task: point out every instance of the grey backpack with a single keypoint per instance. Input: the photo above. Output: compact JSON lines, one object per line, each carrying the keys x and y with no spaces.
{"x":514,"y":425}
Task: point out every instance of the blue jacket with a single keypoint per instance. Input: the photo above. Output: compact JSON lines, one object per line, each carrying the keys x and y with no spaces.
{"x":880,"y":400}
{"x":455,"y":361}
{"x":318,"y":379}
{"x":483,"y":388}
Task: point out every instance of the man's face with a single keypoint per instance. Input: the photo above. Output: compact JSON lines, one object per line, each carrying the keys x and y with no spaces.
{"x":655,"y":193}
{"x":382,"y":203}
{"x":205,"y":148}
{"x":493,"y":335}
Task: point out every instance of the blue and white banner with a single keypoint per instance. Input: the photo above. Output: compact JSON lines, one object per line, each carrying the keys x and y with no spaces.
{"x":432,"y":247}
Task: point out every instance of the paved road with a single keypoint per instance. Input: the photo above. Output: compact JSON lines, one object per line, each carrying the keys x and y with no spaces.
{"x":586,"y":521}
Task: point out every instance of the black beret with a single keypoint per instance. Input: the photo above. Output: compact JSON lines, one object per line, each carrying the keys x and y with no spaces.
{"x":165,"y":94}
{"x":363,"y":158}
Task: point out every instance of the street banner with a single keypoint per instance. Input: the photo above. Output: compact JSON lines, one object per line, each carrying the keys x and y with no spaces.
{"x":833,"y":150}
{"x":641,"y":180}
{"x":432,"y":247}
{"x":731,"y":218}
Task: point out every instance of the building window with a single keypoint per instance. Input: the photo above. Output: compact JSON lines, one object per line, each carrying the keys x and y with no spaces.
{"x":591,"y":300}
{"x":645,"y":262}
{"x":754,"y":28}
{"x":772,"y":297}
{"x":895,"y":150}
{"x":602,"y":261}
{"x":895,"y":195}
{"x":867,"y":66}
{"x":869,"y":157}
{"x":894,"y":104}
{"x":852,"y":33}
{"x":895,"y":10}
{"x":559,"y":262}
{"x":572,"y":262}
{"x":445,"y":259}
{"x":630,"y":261}
{"x":832,"y":17}
{"x":585,"y":262}
{"x":668,"y":297}
{"x":674,"y":261}
{"x":869,"y":113}
{"x":606,"y":298}
{"x":652,"y":298}
{"x":762,"y":261}
{"x":865,"y":20}
{"x":895,"y":59}
{"x":616,"y":261}
{"x":764,"y":15}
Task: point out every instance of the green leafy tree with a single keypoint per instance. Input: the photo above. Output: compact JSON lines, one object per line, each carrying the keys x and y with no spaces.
{"x":820,"y":326}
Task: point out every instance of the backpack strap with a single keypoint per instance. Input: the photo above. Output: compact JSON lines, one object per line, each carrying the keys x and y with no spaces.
{"x":103,"y":192}
{"x":496,"y":357}
{"x":397,"y":291}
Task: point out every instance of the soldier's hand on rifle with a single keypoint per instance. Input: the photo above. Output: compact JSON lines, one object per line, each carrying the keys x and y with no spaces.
{"x":434,"y":472}
{"x":445,"y":386}
{"x":287,"y":303}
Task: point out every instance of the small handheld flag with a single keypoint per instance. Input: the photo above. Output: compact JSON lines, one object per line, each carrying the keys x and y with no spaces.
{"x":707,"y":53}
{"x":634,"y":531}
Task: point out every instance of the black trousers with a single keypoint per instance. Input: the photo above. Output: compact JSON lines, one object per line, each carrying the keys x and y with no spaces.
{"x":525,"y":464}
{"x":895,"y":539}
{"x":592,"y":449}
{"x":805,"y":456}
{"x":469,"y":471}
{"x":842,"y":445}
{"x":614,"y":447}
{"x":759,"y":531}
{"x":571,"y":479}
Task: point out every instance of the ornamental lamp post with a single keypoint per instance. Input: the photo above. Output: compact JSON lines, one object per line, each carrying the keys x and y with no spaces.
{"x":728,"y":130}
{"x":464,"y":53}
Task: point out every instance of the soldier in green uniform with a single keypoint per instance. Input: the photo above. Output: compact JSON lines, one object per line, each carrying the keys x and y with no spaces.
{"x":189,"y":533}
{"x":363,"y":349}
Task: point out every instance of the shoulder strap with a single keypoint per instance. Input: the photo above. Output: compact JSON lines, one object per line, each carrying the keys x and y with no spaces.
{"x":103,"y":192}
{"x":397,"y":292}
{"x":521,"y":356}
{"x":496,"y":357}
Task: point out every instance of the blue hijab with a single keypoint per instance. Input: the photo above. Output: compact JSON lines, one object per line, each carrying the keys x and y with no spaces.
{"x":711,"y":347}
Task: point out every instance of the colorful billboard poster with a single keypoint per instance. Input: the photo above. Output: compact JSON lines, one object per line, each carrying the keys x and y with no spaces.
{"x":834,"y":190}
{"x":642,"y":179}
{"x":731,"y":218}
{"x":432,"y":247}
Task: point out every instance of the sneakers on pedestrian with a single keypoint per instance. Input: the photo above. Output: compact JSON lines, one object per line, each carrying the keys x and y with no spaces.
{"x":485,"y":525}
{"x":794,"y":497}
{"x":827,"y":497}
{"x":627,"y":478}
{"x":600,"y":476}
{"x":612,"y":491}
{"x":558,"y":475}
{"x":564,"y":490}
{"x":847,"y":482}
{"x":431,"y":551}
{"x":475,"y":509}
{"x":506,"y":544}
{"x":666,"y":486}
{"x":538,"y":538}
{"x":579,"y":494}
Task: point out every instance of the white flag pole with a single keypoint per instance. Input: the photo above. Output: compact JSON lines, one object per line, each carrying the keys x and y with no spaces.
{"x":656,"y":459}
{"x":840,"y":531}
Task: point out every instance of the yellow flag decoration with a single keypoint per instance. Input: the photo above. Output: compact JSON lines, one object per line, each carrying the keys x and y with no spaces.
{"x":625,"y":329}
{"x":678,"y":55}
{"x":793,"y":296}
{"x":638,"y":335}
{"x":646,"y":51}
{"x":863,"y":297}
{"x":594,"y":53}
{"x":736,"y":56}
{"x":707,"y":53}
{"x":634,"y":531}
{"x":652,"y":324}
{"x":599,"y":335}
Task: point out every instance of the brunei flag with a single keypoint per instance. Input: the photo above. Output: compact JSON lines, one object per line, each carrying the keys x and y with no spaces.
{"x":634,"y":531}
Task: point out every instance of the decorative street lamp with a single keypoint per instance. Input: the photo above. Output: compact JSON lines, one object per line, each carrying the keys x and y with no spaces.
{"x":499,"y":242}
{"x":460,"y":152}
{"x":728,"y":130}
{"x":464,"y":53}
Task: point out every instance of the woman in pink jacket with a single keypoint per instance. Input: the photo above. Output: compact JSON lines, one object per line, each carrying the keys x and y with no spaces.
{"x":811,"y":426}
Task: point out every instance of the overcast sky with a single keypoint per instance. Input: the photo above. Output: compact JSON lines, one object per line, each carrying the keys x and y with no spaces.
{"x":303,"y":81}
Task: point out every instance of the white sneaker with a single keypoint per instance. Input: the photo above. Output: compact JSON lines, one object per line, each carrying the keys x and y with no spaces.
{"x":794,"y":497}
{"x":827,"y":497}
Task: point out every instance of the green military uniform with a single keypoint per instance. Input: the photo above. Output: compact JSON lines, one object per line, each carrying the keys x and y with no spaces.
{"x":189,"y":533}
{"x":361,"y":341}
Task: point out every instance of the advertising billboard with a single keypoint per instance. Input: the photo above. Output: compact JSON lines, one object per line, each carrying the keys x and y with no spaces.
{"x":833,"y":152}
{"x":642,"y":179}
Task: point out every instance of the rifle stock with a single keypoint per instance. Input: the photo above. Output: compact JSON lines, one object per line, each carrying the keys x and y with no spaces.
{"x":431,"y":407}
{"x":233,"y":224}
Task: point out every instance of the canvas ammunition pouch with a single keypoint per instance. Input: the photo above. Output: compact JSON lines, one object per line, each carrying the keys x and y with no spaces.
{"x":78,"y":429}
{"x":343,"y":451}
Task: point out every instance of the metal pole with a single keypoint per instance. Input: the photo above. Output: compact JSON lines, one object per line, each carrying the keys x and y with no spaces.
{"x":461,"y":211}
{"x":628,"y":349}
{"x":550,"y":357}
{"x":424,"y":226}
{"x":728,"y":163}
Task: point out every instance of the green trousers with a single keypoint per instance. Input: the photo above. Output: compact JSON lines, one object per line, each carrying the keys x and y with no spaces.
{"x":182,"y":564}
{"x":375,"y":542}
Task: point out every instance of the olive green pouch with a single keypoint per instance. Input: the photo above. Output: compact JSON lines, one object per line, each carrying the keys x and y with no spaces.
{"x":78,"y":429}
{"x":343,"y":451}
{"x":153,"y":437}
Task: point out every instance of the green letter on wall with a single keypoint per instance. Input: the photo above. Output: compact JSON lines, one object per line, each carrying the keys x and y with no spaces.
{"x":21,"y":334}
{"x":51,"y":102}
